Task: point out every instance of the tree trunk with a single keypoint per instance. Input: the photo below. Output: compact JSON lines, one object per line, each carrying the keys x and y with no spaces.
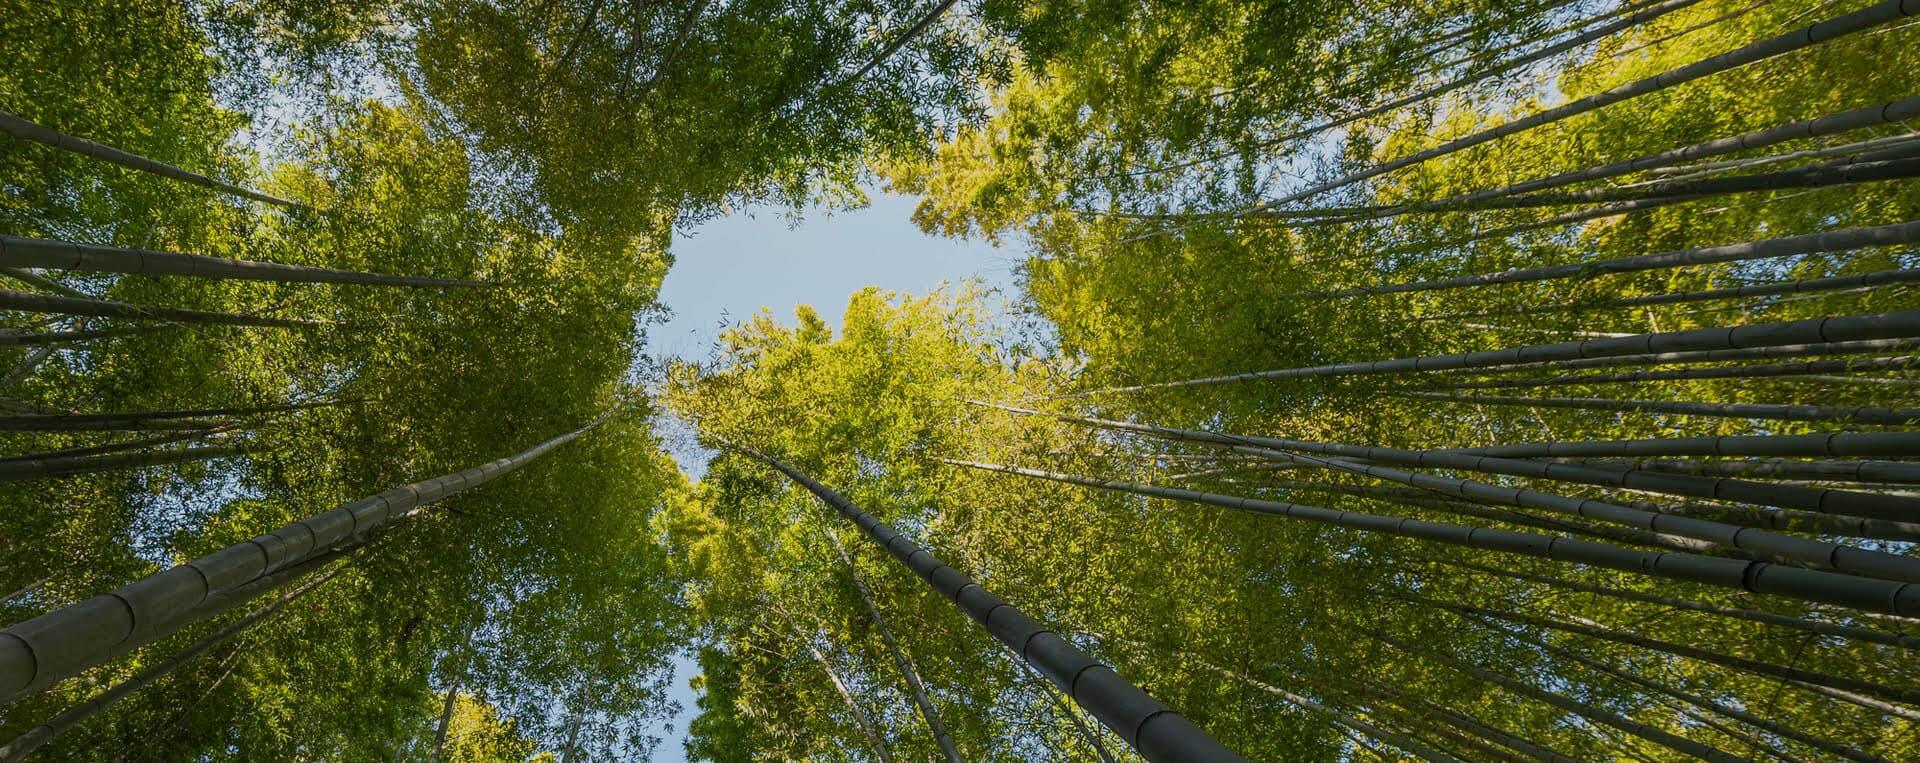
{"x":26,"y":589}
{"x":53,"y":646}
{"x":45,"y":284}
{"x":1861,"y":20}
{"x":28,"y":469}
{"x":1743,"y":664}
{"x":26,"y":366}
{"x":1831,"y":124}
{"x":1428,"y":500}
{"x":1788,"y":246}
{"x":1893,"y":163}
{"x":142,"y":420}
{"x":1751,"y":615}
{"x":1759,"y":577}
{"x":1875,"y":472}
{"x":115,"y":447}
{"x":1844,"y":558}
{"x":1589,"y":712}
{"x":1645,"y":14}
{"x":1401,"y":741}
{"x":446,"y":720}
{"x":1804,"y":368}
{"x":1871,"y":149}
{"x":1897,"y":325}
{"x":21,"y":252}
{"x":1782,"y":731}
{"x":915,"y":687}
{"x":64,"y":337}
{"x":41,"y":303}
{"x":1809,"y":286}
{"x":21,"y":128}
{"x":1421,"y":707}
{"x":1895,"y":417}
{"x":1831,"y":445}
{"x":46,"y":732}
{"x":900,"y":41}
{"x":1117,"y":703}
{"x":867,"y":727}
{"x":579,"y":719}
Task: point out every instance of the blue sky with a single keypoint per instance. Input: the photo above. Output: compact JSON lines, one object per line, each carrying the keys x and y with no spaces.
{"x":731,"y":267}
{"x":728,"y":269}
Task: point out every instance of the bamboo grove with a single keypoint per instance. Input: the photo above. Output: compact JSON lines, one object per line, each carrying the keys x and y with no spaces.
{"x":1470,"y":380}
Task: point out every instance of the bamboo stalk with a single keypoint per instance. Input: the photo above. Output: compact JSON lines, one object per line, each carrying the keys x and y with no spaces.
{"x":1157,"y":732}
{"x":1831,"y":241}
{"x":1839,"y":589}
{"x":1857,"y":21}
{"x":53,"y":646}
{"x":21,"y":128}
{"x":40,"y":303}
{"x":1768,"y":411}
{"x":16,"y":251}
{"x":1897,"y":325}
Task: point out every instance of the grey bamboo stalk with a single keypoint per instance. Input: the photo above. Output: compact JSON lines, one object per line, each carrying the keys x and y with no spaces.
{"x":1831,"y":124}
{"x":867,"y":727}
{"x":1434,"y":502}
{"x":1830,"y":241}
{"x":446,"y":720}
{"x":1816,"y":349}
{"x":1743,"y":664}
{"x":21,"y":128}
{"x":1643,"y":15}
{"x":28,"y":469}
{"x":99,"y":308}
{"x":1800,"y":521}
{"x":1766,"y":371}
{"x":115,"y":447}
{"x":139,"y":420}
{"x":16,"y":251}
{"x":1857,"y":21}
{"x":1154,"y":730}
{"x":1867,"y":594}
{"x":1401,"y":741}
{"x":1809,"y":286}
{"x":1896,"y":325}
{"x":1651,"y":528}
{"x":26,"y":366}
{"x":1866,"y":168}
{"x":27,"y":589}
{"x":1767,"y":411}
{"x":1882,"y":472}
{"x":438,"y":750}
{"x":61,"y":643}
{"x":81,"y":335}
{"x":579,"y":719}
{"x":1691,"y":715}
{"x":1875,"y":147}
{"x":1087,"y":733}
{"x":1420,"y":706}
{"x":1721,"y":708}
{"x":1846,"y":558}
{"x":899,"y":41}
{"x":1862,"y":700}
{"x":1584,"y":710}
{"x":1752,"y":615}
{"x":43,"y":283}
{"x":916,"y":689}
{"x":40,"y":735}
{"x":1822,"y":444}
{"x":1555,"y":221}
